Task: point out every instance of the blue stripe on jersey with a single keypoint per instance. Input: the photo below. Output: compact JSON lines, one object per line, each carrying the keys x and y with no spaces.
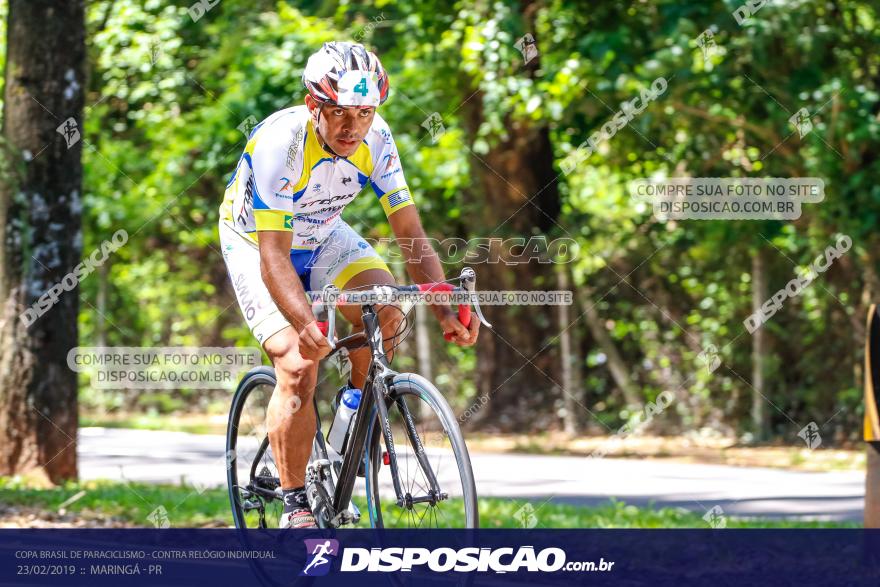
{"x":300,"y":193}
{"x":255,"y":129}
{"x":234,"y":174}
{"x":321,"y":160}
{"x":258,"y":204}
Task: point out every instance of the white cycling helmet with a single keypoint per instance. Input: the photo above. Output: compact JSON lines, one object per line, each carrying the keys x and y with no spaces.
{"x":346,"y":74}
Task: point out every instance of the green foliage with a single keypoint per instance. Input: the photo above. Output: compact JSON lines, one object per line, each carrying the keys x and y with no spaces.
{"x":167,"y":94}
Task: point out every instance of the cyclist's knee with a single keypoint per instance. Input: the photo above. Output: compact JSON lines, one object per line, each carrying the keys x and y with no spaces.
{"x":296,"y":375}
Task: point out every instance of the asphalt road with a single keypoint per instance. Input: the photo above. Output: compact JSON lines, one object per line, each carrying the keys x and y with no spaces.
{"x":149,"y":456}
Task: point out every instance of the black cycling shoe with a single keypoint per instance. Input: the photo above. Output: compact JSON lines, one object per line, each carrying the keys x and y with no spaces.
{"x":300,"y":519}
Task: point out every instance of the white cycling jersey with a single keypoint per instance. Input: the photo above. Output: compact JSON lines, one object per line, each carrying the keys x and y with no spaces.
{"x":286,"y":181}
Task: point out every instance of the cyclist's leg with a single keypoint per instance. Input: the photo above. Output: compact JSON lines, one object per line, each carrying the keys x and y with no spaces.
{"x":290,"y":419}
{"x":290,"y":428}
{"x":348,"y":261}
{"x":389,"y":320}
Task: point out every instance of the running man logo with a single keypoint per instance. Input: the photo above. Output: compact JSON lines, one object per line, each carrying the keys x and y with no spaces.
{"x":286,"y":185}
{"x":320,"y":553}
{"x":872,"y":377}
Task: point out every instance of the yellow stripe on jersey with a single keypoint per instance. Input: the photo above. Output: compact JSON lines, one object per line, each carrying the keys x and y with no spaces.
{"x":226,"y":204}
{"x":362,"y":159}
{"x":254,"y":237}
{"x":251,"y":145}
{"x":394,"y":201}
{"x":273,"y":220}
{"x":312,"y":153}
{"x":358,"y":266}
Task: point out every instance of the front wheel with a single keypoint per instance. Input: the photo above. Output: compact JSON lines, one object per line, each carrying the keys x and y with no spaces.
{"x":427,"y":443}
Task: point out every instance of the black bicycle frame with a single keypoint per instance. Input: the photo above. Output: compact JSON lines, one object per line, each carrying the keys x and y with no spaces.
{"x":378,"y":379}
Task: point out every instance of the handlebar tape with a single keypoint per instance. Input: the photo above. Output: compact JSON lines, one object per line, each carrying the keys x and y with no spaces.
{"x":464,"y":310}
{"x":464,"y":316}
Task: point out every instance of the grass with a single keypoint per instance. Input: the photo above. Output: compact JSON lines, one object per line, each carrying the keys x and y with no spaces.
{"x":133,"y":503}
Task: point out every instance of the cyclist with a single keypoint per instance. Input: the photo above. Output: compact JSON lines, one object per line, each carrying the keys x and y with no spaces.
{"x":282,"y":233}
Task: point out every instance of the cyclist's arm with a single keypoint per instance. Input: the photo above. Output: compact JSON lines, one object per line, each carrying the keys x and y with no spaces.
{"x":423,"y":266}
{"x":389,"y":184}
{"x":422,"y":262}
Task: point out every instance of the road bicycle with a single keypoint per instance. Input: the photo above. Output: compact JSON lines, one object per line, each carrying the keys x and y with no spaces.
{"x":403,"y":425}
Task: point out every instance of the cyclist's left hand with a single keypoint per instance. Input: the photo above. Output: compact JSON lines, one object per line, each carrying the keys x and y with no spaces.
{"x":461,"y":335}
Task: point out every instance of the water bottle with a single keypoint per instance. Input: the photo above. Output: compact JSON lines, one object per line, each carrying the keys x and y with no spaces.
{"x":351,"y":398}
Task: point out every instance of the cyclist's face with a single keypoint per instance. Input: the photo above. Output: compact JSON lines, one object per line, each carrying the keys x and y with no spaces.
{"x":342,"y":128}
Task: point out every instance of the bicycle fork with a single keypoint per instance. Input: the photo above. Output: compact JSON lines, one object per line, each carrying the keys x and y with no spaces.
{"x":380,"y":388}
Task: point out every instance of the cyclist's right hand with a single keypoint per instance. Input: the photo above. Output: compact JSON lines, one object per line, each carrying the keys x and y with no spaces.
{"x":313,"y":344}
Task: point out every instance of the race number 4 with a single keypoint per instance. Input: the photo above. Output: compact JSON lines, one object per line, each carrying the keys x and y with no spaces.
{"x":361,"y":87}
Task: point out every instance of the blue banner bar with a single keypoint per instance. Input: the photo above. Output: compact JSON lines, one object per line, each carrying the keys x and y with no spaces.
{"x":172,"y":557}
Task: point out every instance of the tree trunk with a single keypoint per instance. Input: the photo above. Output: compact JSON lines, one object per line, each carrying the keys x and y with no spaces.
{"x":101,"y":305}
{"x":616,"y":365}
{"x":40,"y":203}
{"x":516,"y":180}
{"x":570,"y":386}
{"x":518,"y":371}
{"x":759,"y":347}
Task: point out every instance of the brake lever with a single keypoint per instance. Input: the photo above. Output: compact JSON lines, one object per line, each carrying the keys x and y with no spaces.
{"x":331,"y":313}
{"x":469,"y":281}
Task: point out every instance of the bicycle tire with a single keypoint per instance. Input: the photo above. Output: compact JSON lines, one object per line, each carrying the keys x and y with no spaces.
{"x":262,"y":375}
{"x":411,"y":384}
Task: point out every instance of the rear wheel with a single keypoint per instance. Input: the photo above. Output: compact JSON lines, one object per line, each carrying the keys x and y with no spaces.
{"x":437,"y":449}
{"x":252,"y":475}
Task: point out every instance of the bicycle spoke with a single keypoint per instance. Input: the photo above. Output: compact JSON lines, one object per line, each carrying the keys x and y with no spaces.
{"x":420,"y":486}
{"x":402,"y":510}
{"x":422,"y":517}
